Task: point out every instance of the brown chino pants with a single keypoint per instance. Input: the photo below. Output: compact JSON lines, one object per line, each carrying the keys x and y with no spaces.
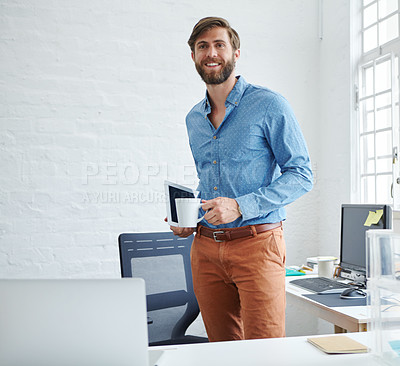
{"x":240,"y":285}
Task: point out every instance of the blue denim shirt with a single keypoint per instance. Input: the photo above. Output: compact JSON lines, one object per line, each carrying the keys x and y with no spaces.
{"x":257,"y":156}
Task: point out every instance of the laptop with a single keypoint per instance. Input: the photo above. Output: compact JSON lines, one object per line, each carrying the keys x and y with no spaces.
{"x":74,"y":323}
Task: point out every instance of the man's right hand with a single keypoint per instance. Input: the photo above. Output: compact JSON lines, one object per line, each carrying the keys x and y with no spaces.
{"x":183,"y":232}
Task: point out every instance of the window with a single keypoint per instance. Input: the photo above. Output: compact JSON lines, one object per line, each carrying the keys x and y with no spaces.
{"x":378,"y":103}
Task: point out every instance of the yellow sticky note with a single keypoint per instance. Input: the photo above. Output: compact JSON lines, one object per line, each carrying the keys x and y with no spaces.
{"x":373,"y":217}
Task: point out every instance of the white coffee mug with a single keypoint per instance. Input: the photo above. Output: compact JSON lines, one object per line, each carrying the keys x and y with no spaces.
{"x":325,"y":266}
{"x":188,"y":211}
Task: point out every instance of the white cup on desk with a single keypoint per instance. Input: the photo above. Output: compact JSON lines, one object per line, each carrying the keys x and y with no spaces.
{"x":188,"y":211}
{"x":326,"y":266}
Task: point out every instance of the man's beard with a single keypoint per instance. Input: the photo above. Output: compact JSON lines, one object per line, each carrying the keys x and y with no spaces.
{"x":215,"y":78}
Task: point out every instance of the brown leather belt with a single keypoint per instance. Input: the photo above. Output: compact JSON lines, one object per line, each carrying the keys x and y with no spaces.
{"x":236,"y":233}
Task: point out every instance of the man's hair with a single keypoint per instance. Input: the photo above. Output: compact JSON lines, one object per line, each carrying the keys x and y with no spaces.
{"x":208,"y":23}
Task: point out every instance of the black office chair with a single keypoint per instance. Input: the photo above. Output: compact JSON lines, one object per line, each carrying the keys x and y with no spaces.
{"x":163,"y":261}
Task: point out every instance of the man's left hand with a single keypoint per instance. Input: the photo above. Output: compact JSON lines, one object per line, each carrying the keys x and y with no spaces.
{"x":221,"y":210}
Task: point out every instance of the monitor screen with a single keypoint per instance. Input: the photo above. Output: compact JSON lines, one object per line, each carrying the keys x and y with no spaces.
{"x":356,"y":220}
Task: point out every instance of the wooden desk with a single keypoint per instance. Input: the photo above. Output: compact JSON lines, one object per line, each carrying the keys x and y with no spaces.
{"x":289,"y":351}
{"x":346,"y":318}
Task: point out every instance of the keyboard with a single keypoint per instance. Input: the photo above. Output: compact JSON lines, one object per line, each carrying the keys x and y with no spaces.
{"x":321,"y":285}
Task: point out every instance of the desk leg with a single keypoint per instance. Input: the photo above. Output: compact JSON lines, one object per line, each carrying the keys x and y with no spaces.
{"x":339,"y":329}
{"x":362,"y":327}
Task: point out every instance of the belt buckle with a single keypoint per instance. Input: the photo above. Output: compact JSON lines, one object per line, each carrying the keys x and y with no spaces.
{"x":215,"y":237}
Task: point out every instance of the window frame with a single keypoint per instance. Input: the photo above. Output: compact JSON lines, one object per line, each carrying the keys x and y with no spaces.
{"x":370,"y":59}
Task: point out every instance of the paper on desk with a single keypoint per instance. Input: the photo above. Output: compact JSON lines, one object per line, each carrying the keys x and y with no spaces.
{"x":337,"y":344}
{"x":395,"y":346}
{"x":373,"y":217}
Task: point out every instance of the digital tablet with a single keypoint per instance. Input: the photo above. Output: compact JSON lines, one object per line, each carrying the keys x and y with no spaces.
{"x":172,"y":191}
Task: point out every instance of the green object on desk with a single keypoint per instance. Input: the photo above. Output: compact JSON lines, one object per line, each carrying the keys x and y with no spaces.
{"x":293,"y":272}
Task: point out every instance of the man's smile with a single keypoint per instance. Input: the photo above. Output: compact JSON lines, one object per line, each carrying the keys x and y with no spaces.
{"x":212,"y":64}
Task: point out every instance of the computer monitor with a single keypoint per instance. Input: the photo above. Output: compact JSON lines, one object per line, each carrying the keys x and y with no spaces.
{"x":356,"y":219}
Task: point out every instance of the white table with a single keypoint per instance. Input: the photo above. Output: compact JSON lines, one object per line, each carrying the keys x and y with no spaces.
{"x":289,"y":351}
{"x":346,"y":318}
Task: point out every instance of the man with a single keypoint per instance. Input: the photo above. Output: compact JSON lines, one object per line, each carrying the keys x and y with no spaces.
{"x":251,"y":160}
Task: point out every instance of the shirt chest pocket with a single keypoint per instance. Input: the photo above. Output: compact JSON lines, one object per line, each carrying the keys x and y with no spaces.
{"x":246,"y":146}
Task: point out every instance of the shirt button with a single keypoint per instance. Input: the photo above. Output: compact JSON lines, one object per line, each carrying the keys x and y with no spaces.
{"x":215,"y":188}
{"x":214,"y":162}
{"x":214,"y":137}
{"x":236,"y":103}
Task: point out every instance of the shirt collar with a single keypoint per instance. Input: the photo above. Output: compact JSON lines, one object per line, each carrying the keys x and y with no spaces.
{"x":234,"y":96}
{"x":236,"y":93}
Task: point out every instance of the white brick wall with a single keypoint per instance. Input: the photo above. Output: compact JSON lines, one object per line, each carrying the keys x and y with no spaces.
{"x":93,"y":97}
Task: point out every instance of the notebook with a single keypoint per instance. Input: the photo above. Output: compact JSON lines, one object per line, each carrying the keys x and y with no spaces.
{"x":337,"y":344}
{"x":73,"y":322}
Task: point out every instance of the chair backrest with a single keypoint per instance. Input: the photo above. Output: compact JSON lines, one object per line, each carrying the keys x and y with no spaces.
{"x":163,"y":261}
